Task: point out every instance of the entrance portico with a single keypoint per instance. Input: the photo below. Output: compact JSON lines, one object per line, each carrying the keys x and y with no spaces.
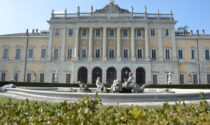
{"x":111,"y":71}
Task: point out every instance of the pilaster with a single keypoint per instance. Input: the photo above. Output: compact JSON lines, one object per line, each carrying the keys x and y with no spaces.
{"x":160,"y":43}
{"x":63,"y":45}
{"x":49,"y":56}
{"x":173,"y":45}
{"x":104,"y":44}
{"x":147,"y":58}
{"x":132,"y":45}
{"x":118,"y":45}
{"x":90,"y":51}
{"x":76,"y":48}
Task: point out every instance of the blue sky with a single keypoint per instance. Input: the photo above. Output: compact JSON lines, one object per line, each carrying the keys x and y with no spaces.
{"x":17,"y":15}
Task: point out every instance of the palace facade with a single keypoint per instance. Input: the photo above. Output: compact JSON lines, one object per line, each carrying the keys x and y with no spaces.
{"x":107,"y":43}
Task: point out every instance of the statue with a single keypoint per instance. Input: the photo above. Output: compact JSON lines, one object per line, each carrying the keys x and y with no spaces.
{"x":116,"y":86}
{"x":83,"y":87}
{"x":128,"y":86}
{"x":112,"y":1}
{"x":34,"y":77}
{"x":100,"y":86}
{"x":5,"y":87}
{"x":130,"y":82}
{"x":56,"y":77}
{"x":169,"y":78}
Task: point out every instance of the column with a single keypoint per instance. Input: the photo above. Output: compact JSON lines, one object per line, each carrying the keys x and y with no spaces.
{"x":63,"y":45}
{"x":104,"y":75}
{"x":76,"y":44}
{"x":146,"y":45}
{"x":173,"y":45}
{"x":118,"y":71}
{"x":160,"y":42}
{"x":104,"y":44}
{"x":89,"y":75}
{"x":90,"y":52}
{"x":49,"y":44}
{"x":118,"y":45}
{"x":132,"y":45}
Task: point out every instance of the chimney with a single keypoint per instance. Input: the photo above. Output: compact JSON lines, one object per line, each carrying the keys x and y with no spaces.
{"x":37,"y":31}
{"x":33,"y":31}
{"x":203,"y":32}
{"x":191,"y":32}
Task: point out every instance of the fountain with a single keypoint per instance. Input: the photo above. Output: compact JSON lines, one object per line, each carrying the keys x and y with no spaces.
{"x":129,"y":86}
{"x":127,"y":92}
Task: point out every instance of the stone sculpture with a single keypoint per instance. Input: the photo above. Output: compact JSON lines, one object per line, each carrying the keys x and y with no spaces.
{"x":100,"y":86}
{"x":130,"y":82}
{"x":83,"y":87}
{"x":5,"y":87}
{"x":129,"y":85}
{"x":169,"y":78}
{"x":116,"y":86}
{"x":56,"y":77}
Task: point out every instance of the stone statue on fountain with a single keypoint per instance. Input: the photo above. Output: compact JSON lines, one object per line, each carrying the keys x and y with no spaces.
{"x":100,"y":85}
{"x":116,"y":86}
{"x":129,"y":84}
{"x":83,"y":87}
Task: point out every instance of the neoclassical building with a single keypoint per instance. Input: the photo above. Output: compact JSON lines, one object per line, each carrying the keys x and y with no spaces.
{"x":107,"y":43}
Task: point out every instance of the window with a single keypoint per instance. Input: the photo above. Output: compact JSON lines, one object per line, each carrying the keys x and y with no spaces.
{"x":181,"y":78}
{"x":153,"y":32}
{"x":69,"y":53}
{"x":195,"y":78}
{"x":138,"y":33}
{"x":193,"y":54}
{"x":208,"y":78}
{"x":41,"y":77}
{"x":68,"y":78}
{"x":43,"y":54}
{"x":5,"y":53}
{"x":154,"y":77}
{"x":167,"y":54}
{"x":98,"y":32}
{"x":111,"y":53}
{"x":84,"y":32}
{"x":139,"y":53}
{"x":153,"y":54}
{"x":3,"y":76}
{"x":166,"y":32}
{"x":111,"y":33}
{"x":125,"y":53}
{"x":28,"y":77}
{"x":125,"y":33}
{"x":16,"y":77}
{"x":180,"y":54}
{"x":83,"y":53}
{"x":55,"y":54}
{"x":70,"y":32}
{"x":30,"y":53}
{"x":98,"y":53}
{"x":57,"y":32}
{"x":207,"y":54}
{"x":17,"y":54}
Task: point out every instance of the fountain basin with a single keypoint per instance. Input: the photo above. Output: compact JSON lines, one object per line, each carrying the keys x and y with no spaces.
{"x":150,"y":95}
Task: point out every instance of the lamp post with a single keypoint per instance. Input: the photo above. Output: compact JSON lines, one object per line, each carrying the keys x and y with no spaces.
{"x":199,"y":63}
{"x":26,"y":55}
